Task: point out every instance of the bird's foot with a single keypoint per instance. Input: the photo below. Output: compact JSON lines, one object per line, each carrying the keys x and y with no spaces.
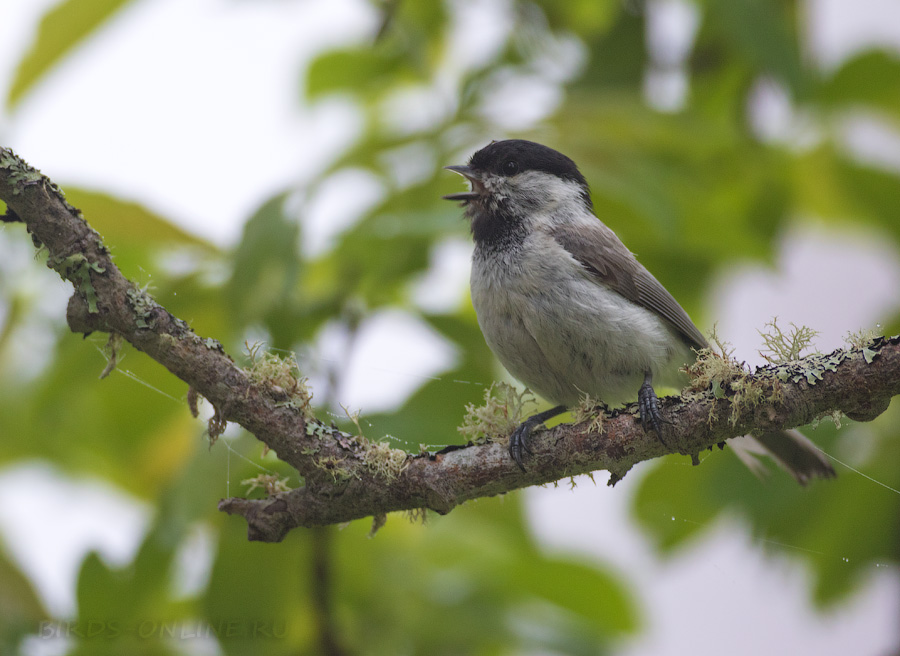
{"x":648,"y":405}
{"x":518,"y":441}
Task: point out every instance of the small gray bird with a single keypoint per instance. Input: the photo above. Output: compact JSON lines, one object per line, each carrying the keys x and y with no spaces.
{"x":566,"y":307}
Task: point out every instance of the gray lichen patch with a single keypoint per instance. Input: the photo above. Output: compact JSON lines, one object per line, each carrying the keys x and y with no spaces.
{"x":315,"y":428}
{"x":144,"y":307}
{"x":811,"y":368}
{"x":212,"y":344}
{"x":22,"y":175}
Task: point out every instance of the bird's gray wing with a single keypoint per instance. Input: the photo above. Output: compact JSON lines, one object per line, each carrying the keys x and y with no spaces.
{"x":600,"y":252}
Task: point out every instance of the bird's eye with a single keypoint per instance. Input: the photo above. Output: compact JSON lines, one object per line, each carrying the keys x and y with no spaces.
{"x":510,"y":167}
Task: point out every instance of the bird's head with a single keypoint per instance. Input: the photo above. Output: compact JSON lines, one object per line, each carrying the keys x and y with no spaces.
{"x":515,"y":182}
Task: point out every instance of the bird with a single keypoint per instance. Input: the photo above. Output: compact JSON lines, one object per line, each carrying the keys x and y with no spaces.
{"x":567,"y":308}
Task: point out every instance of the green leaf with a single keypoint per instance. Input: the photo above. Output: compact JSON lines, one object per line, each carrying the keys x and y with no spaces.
{"x":479,"y":568}
{"x":822,"y":523}
{"x":405,"y":51}
{"x":870,"y":78}
{"x":125,"y":224}
{"x":764,"y":32}
{"x":359,"y":70}
{"x":586,"y":18}
{"x":618,"y":57}
{"x":140,"y":432}
{"x":875,"y":192}
{"x":21,"y":610}
{"x":266,"y":268}
{"x":61,"y":29}
{"x":258,"y":589}
{"x":576,"y":587}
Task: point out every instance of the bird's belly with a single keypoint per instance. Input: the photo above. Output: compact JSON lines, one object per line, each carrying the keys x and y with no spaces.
{"x":575,"y":337}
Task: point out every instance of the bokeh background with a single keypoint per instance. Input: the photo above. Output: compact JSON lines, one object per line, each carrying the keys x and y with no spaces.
{"x":271,"y":171}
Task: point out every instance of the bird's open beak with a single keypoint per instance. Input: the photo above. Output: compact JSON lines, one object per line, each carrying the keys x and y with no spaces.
{"x":472,"y":176}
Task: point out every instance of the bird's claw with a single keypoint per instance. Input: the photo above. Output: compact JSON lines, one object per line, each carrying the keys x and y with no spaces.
{"x":648,"y":405}
{"x":518,"y":442}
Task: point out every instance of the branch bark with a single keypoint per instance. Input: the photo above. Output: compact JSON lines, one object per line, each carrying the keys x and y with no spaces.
{"x":345,"y":477}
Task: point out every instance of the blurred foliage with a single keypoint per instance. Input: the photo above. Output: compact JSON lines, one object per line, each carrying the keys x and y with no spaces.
{"x":690,"y":187}
{"x":61,"y":30}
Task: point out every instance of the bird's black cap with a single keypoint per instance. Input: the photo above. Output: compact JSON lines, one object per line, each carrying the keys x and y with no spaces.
{"x":498,"y":157}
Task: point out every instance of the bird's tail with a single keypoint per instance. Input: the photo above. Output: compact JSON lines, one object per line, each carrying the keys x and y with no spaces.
{"x":792,"y":450}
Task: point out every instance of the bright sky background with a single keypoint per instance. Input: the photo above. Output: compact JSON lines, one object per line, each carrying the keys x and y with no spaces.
{"x":204,"y":125}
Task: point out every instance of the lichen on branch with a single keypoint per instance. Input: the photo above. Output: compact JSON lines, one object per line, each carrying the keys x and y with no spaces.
{"x":346,"y":477}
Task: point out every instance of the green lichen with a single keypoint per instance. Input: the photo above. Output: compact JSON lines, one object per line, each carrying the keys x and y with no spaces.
{"x":860,"y":339}
{"x":20,"y":173}
{"x":268,"y":483}
{"x":317,"y":428}
{"x":717,"y":373}
{"x":503,"y":410}
{"x":589,"y":409}
{"x":715,"y":368}
{"x":281,"y":376}
{"x":354,"y":417}
{"x":341,"y":469}
{"x":783,"y":347}
{"x":834,"y":415}
{"x":746,"y":393}
{"x":811,"y":368}
{"x":417,"y":515}
{"x":213,"y":345}
{"x":144,"y":307}
{"x":863,"y":339}
{"x":384,"y":461}
{"x":111,"y":350}
{"x":379,"y":458}
{"x":77,"y":270}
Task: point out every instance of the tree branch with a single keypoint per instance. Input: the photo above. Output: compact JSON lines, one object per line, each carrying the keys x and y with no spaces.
{"x":346,"y":477}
